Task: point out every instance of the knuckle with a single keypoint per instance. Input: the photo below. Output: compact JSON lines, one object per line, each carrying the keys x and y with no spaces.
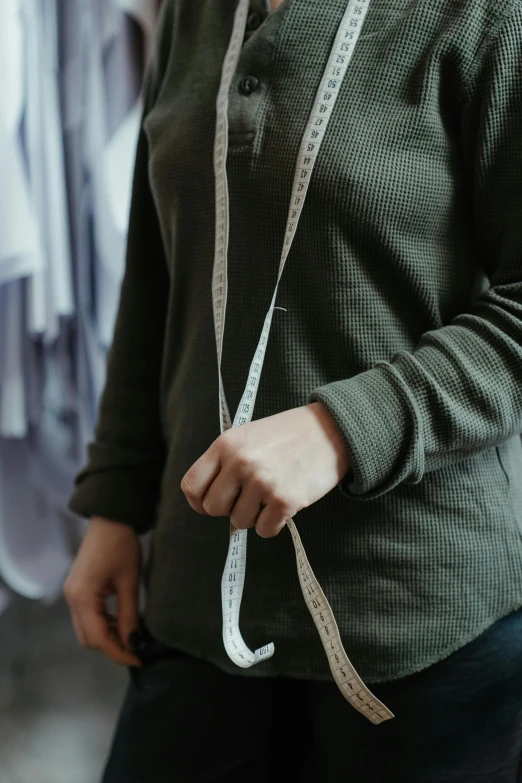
{"x":226,"y":440}
{"x":72,"y":593}
{"x":280,"y":500}
{"x":239,"y":465}
{"x":243,"y":464}
{"x":260,"y":483}
{"x":126,"y":585}
{"x":186,"y":486}
{"x":210,"y":507}
{"x":293,"y":505}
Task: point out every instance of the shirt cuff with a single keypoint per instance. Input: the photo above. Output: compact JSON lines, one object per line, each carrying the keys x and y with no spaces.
{"x":380,"y":424}
{"x":118,"y":485}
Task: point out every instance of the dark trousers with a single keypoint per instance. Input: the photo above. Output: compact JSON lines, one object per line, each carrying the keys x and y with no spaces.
{"x":460,"y":720}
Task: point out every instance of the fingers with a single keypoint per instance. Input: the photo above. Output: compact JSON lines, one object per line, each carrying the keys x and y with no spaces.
{"x":272,"y":520}
{"x":198,"y":479}
{"x":249,"y":503}
{"x":247,"y":508}
{"x":267,"y":513}
{"x":78,"y":630}
{"x":95,"y":630}
{"x":227,"y":482}
{"x":100,"y":636}
{"x":261,"y":506}
{"x":222,"y":495}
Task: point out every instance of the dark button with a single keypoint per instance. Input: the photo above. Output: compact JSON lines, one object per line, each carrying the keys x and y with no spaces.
{"x":254,"y":20}
{"x":249,"y":84}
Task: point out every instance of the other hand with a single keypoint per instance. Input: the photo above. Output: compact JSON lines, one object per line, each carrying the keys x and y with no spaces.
{"x":107,"y":563}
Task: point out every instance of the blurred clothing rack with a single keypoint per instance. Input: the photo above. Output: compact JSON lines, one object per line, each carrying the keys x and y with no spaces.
{"x":70,"y":105}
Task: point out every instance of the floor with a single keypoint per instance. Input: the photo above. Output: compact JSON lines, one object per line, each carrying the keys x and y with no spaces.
{"x":58,"y":702}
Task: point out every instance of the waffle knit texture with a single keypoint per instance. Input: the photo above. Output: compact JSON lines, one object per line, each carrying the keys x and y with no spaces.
{"x":403,"y":297}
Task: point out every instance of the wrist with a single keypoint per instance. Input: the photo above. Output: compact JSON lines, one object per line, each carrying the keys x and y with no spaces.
{"x":335,"y":437}
{"x":113,"y":524}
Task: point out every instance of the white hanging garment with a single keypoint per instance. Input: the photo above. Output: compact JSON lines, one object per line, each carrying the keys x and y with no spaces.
{"x":19,"y":238}
{"x":70,"y":76}
{"x":13,"y":414}
{"x":113,"y":112}
{"x":34,"y":551}
{"x":50,"y":291}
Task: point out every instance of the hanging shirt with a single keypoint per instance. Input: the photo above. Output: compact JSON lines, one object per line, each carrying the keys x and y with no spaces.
{"x":403,"y":298}
{"x":62,"y":225}
{"x":20,"y":240}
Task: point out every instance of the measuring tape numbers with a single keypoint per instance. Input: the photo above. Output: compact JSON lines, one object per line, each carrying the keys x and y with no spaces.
{"x":344,"y":674}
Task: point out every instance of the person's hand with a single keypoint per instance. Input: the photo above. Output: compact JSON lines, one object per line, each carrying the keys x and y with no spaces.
{"x":260,"y":474}
{"x":107,"y":563}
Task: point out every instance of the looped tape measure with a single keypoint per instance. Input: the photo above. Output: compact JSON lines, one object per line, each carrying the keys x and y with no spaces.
{"x":349,"y":682}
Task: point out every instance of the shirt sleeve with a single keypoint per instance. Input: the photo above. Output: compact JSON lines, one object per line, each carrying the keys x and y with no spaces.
{"x":125,"y":461}
{"x":459,"y":391}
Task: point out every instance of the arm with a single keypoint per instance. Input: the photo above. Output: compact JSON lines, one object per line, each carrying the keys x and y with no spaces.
{"x":459,"y":391}
{"x":120,"y":482}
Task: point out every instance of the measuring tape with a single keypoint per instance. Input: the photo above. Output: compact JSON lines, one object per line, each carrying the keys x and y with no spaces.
{"x":349,"y":682}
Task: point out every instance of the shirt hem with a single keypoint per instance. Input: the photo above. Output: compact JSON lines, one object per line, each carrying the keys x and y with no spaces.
{"x":158,"y":631}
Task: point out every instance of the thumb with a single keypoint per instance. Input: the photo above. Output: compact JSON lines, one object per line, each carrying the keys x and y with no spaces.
{"x":127,"y":617}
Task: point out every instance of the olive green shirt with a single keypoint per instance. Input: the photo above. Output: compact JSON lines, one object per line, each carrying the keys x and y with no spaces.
{"x":403,"y":297}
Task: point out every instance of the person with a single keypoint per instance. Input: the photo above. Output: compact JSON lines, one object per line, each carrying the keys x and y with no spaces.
{"x":388,"y":413}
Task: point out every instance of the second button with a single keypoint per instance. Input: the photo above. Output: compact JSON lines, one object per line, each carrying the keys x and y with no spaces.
{"x":248,"y":84}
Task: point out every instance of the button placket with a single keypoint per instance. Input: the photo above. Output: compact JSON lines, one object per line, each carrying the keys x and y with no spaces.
{"x":252,"y":74}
